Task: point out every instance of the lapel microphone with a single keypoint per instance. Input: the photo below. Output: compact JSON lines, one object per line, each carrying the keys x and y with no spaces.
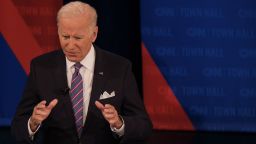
{"x":65,"y":91}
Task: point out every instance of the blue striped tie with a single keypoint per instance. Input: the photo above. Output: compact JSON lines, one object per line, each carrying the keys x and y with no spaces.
{"x":76,"y":94}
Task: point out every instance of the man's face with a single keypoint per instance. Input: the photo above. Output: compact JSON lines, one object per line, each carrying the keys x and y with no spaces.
{"x":76,"y":36}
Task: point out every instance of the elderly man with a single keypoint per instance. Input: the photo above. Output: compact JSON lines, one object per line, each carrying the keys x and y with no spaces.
{"x":80,"y":94}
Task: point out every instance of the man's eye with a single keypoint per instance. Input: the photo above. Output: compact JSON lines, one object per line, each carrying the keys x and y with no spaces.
{"x":66,"y":37}
{"x":77,"y":38}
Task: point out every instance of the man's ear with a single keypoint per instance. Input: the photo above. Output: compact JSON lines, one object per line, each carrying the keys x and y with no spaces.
{"x":95,"y":33}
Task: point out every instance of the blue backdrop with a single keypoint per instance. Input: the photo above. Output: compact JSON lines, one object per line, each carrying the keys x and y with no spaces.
{"x":206,"y":50}
{"x":12,"y":78}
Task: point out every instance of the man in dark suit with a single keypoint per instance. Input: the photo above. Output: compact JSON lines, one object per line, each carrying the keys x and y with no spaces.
{"x":80,"y":94}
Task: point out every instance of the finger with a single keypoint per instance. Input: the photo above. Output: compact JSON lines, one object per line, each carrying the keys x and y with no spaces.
{"x":109,"y":111}
{"x":108,"y":106}
{"x":39,"y":107}
{"x":99,"y":105}
{"x":41,"y":113}
{"x":41,"y":104}
{"x":52,"y":104}
{"x":109,"y":116}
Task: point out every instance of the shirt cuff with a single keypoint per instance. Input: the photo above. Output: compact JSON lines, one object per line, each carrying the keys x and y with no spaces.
{"x":31,"y":133}
{"x":120,"y":131}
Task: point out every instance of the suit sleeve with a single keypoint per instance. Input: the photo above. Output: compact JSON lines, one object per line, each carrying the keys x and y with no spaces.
{"x":25,"y":108}
{"x":138,"y":126}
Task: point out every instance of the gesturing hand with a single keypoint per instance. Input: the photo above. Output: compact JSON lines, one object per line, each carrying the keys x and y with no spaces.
{"x":110,"y":114}
{"x":40,"y":113}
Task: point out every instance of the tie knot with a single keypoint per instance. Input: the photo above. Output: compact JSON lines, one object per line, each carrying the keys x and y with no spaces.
{"x":77,"y":65}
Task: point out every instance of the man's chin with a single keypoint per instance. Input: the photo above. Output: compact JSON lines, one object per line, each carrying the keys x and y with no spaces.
{"x":73,"y":59}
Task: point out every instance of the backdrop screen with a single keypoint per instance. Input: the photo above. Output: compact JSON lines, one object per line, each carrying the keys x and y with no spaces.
{"x":28,"y":29}
{"x":199,"y":64}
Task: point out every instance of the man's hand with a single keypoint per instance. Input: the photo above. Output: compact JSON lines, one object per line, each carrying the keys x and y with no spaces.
{"x":110,"y":114}
{"x":40,"y":113}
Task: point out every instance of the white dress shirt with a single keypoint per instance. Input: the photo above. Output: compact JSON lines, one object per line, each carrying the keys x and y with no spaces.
{"x":86,"y":71}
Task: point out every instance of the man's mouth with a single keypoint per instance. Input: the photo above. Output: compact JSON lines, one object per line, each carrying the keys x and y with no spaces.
{"x":71,"y":54}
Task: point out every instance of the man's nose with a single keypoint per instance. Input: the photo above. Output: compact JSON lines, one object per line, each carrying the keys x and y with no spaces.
{"x":71,"y":42}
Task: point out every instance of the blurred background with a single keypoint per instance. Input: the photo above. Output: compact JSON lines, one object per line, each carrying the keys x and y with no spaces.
{"x":194,"y":61}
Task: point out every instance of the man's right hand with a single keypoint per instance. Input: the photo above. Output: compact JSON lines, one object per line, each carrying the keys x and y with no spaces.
{"x":40,"y":113}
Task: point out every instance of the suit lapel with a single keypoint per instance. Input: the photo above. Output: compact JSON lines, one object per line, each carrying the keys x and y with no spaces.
{"x":98,"y":84}
{"x":98,"y":78}
{"x":60,"y":76}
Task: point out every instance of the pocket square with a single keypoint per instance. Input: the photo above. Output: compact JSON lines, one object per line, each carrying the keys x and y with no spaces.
{"x":106,"y":95}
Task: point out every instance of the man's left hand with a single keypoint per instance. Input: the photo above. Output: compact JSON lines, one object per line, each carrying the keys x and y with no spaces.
{"x":110,"y":114}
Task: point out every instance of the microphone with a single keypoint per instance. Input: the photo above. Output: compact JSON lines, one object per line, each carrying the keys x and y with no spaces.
{"x":66,"y":90}
{"x":62,"y":91}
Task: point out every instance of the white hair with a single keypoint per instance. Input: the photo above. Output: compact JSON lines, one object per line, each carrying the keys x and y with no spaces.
{"x":76,"y":8}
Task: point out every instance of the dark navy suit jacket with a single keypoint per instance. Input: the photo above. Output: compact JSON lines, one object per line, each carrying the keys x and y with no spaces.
{"x":48,"y":80}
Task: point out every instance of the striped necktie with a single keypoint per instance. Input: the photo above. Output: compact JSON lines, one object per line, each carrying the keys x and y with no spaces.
{"x":76,"y":94}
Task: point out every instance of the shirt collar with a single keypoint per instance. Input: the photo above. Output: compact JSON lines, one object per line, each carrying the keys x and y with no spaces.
{"x":87,"y":62}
